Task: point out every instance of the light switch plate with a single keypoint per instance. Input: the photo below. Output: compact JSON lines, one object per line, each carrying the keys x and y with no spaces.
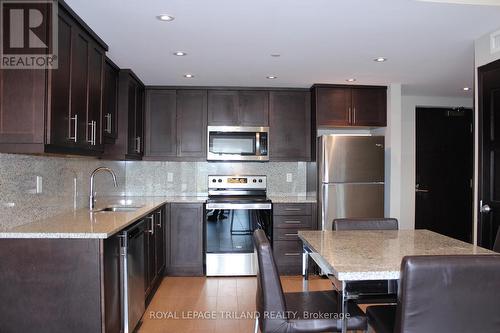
{"x":170,"y":177}
{"x":289,"y":177}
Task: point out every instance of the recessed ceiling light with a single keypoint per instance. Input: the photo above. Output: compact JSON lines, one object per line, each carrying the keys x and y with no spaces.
{"x":466,"y":88}
{"x":275,"y":55}
{"x":165,"y":17}
{"x":380,"y":59}
{"x":188,"y":76}
{"x":351,"y":80}
{"x":271,"y":77}
{"x":180,"y":53}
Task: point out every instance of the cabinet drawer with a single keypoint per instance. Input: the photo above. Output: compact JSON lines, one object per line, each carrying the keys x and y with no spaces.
{"x":292,"y":209}
{"x":293,"y":222}
{"x":288,"y":252}
{"x":289,"y":234}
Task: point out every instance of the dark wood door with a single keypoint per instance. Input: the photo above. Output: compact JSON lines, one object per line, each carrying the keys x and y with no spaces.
{"x":94,"y":113}
{"x":489,"y":153}
{"x":133,"y":142}
{"x":79,"y":84}
{"x":192,"y":123}
{"x":139,"y":119}
{"x":290,"y":126}
{"x":149,"y":251}
{"x":62,"y":122}
{"x":253,"y":108}
{"x":161,"y":136}
{"x":112,"y":290}
{"x":159,"y":242}
{"x":110,"y":102}
{"x":369,"y":106}
{"x":186,"y":239}
{"x":333,"y":106}
{"x":223,"y":108}
{"x":444,"y":171}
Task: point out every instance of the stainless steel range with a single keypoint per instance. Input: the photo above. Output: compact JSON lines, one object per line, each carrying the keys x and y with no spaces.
{"x":236,"y":206}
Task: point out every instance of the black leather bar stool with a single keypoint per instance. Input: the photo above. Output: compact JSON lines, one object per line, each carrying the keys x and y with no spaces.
{"x":281,"y":312}
{"x":371,"y":292}
{"x":446,"y":294}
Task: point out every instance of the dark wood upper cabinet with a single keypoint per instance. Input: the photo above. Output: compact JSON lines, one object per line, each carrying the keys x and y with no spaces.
{"x":289,"y":120}
{"x":161,"y":136}
{"x":344,"y":106}
{"x":222,"y":108}
{"x":369,"y":106}
{"x":57,"y":110}
{"x":129,"y":143}
{"x":253,"y":108}
{"x":192,"y":123}
{"x":110,"y":102}
{"x":186,"y":240}
{"x":176,"y":124}
{"x":238,"y":108}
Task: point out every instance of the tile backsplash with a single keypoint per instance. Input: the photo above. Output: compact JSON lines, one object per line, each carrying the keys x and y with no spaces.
{"x":65,"y":182}
{"x":190,"y":178}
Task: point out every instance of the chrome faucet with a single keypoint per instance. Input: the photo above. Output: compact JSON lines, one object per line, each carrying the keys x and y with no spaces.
{"x":92,"y":193}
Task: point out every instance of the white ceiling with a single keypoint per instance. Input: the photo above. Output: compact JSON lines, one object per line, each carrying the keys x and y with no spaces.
{"x":430,"y":46}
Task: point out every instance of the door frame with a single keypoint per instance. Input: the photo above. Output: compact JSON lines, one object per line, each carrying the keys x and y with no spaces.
{"x":473,"y":160}
{"x":480,"y":108}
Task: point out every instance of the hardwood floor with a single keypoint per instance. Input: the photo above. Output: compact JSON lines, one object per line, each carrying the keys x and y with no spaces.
{"x":208,"y":305}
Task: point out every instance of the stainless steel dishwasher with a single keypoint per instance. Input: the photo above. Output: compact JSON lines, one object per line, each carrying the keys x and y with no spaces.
{"x":133,"y":275}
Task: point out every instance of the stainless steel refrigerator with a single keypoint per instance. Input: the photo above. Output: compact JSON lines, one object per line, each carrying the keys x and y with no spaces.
{"x":351,"y":177}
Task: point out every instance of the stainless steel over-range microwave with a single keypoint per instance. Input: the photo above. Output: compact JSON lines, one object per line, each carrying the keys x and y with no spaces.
{"x":238,"y":143}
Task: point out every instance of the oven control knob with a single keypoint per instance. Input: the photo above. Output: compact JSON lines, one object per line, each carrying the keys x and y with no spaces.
{"x":213,"y":180}
{"x":260,"y":180}
{"x":255,"y":180}
{"x":220,"y":180}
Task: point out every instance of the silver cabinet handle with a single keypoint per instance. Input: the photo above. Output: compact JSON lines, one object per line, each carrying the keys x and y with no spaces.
{"x":292,"y":235}
{"x":354,"y":115}
{"x":293,"y":254}
{"x":292,"y":209}
{"x":93,"y":133}
{"x":108,"y":122}
{"x":485,"y":208}
{"x":138,"y":144}
{"x":159,"y":218}
{"x":291,"y":222}
{"x":152,"y":225}
{"x":75,"y":127}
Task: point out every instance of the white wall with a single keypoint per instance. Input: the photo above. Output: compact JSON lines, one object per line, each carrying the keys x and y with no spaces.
{"x":409,"y":104}
{"x":483,"y":56}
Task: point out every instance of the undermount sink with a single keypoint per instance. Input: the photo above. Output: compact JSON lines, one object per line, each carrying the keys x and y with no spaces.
{"x":116,"y":209}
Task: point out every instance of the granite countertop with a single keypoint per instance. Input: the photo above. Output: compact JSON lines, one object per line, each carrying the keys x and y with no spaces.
{"x":377,"y":255}
{"x":83,"y":223}
{"x":293,"y":199}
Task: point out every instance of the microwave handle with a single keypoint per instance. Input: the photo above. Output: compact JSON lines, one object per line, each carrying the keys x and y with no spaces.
{"x":257,"y":143}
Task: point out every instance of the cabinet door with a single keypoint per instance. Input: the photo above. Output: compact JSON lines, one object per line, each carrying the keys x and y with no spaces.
{"x":139,"y":119}
{"x":133,"y":143}
{"x":159,"y":242}
{"x":112,"y":291}
{"x":369,"y":106}
{"x":110,"y":102}
{"x":186,"y":242}
{"x":94,"y":113}
{"x":79,"y":83}
{"x":62,"y":126}
{"x":149,"y":252}
{"x":222,"y":108}
{"x":333,"y":106}
{"x":253,"y":108}
{"x":192,"y":123}
{"x":161,"y":123}
{"x":290,"y":126}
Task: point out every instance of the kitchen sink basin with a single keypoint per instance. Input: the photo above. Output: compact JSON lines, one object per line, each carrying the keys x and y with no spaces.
{"x":116,"y":209}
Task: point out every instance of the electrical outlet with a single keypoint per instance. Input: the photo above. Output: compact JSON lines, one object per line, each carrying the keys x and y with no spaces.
{"x":170,"y":177}
{"x":289,"y":177}
{"x":39,"y":184}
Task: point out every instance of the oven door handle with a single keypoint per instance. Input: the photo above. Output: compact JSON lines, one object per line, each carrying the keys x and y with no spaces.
{"x":249,"y":206}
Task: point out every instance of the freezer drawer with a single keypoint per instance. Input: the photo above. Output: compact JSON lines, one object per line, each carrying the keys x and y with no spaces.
{"x":350,"y":200}
{"x":350,"y":159}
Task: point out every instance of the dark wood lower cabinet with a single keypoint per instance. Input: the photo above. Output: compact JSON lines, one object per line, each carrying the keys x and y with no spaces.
{"x":186,"y":239}
{"x":288,"y":219}
{"x":155,"y":252}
